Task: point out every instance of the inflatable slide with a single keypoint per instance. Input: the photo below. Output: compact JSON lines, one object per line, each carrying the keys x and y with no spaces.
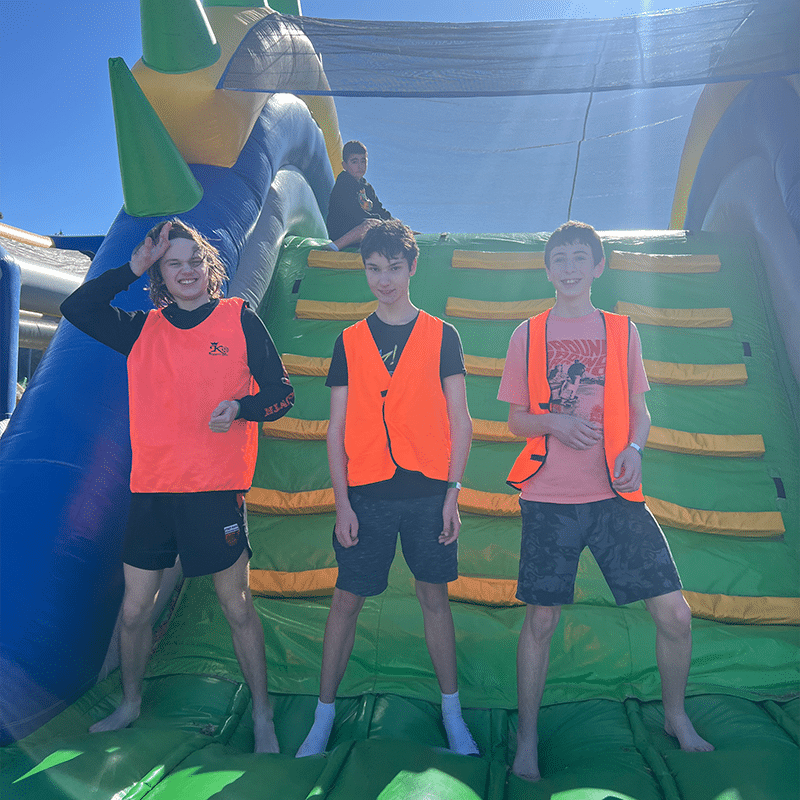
{"x":721,"y":475}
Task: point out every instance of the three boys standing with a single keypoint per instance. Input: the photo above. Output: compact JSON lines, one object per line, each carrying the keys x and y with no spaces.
{"x":575,"y":382}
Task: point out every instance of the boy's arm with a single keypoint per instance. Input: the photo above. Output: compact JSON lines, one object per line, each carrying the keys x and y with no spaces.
{"x":346,"y":528}
{"x":455,"y":395}
{"x":275,"y":395}
{"x":577,"y":433}
{"x":377,"y":207}
{"x":89,"y":309}
{"x":628,"y":464}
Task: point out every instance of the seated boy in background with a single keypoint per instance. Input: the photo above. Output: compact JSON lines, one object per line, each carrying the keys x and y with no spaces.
{"x":398,"y":440}
{"x":575,"y":380}
{"x":353,"y":201}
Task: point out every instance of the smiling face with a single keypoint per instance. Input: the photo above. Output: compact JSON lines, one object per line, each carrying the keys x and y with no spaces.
{"x":572,"y":269}
{"x":356,"y":165}
{"x":185,"y":274}
{"x":388,"y":278}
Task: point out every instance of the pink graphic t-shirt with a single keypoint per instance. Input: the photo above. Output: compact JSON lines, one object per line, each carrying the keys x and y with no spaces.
{"x":576,"y":366}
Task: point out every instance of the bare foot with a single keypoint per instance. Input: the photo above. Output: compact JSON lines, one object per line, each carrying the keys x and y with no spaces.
{"x":126,"y":713}
{"x":265,"y":739}
{"x":526,"y":762}
{"x":688,"y":738}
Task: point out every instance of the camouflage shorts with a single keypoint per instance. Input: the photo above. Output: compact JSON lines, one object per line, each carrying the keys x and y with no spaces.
{"x":624,"y":538}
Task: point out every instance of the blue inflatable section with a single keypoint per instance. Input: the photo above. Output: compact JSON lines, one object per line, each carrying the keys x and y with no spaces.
{"x":763,"y":120}
{"x":65,"y":459}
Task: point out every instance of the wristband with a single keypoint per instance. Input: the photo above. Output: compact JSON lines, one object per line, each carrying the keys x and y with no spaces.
{"x":453,"y":485}
{"x":635,"y":447}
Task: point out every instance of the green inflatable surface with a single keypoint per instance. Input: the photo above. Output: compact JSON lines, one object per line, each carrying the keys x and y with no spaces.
{"x":602,"y":724}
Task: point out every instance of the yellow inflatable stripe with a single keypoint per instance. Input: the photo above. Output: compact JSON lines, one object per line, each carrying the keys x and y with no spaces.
{"x":271,"y":501}
{"x":331,"y":259}
{"x":658,"y":262}
{"x":481,"y":365}
{"x":488,"y":309}
{"x":751,"y":524}
{"x":473,"y":259}
{"x":501,"y":592}
{"x":318,"y":366}
{"x":325,"y":309}
{"x":484,"y":430}
{"x":307,"y":583}
{"x":706,"y":444}
{"x":695,"y":374}
{"x":677,"y":317}
{"x":292,"y":428}
{"x":750,"y":610}
{"x":657,"y":371}
{"x":487,"y":430}
{"x":493,"y":504}
{"x":306,"y":365}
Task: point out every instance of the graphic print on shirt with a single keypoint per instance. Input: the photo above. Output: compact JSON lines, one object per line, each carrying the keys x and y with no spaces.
{"x":390,"y":358}
{"x":363,"y":200}
{"x":576,"y":374}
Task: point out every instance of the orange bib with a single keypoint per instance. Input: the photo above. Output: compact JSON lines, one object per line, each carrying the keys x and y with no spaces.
{"x":176,"y":378}
{"x":397,"y":420}
{"x":616,"y":398}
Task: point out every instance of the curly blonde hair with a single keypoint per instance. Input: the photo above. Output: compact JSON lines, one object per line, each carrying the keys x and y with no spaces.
{"x":159,"y":294}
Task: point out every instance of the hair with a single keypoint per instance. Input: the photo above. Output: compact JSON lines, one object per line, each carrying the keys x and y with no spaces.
{"x":352,"y":148}
{"x":574,"y":233}
{"x":159,"y":294}
{"x":389,"y":238}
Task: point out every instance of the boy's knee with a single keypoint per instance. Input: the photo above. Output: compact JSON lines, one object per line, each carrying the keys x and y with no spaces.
{"x":542,"y":621}
{"x":346,"y":604}
{"x":136,"y":611}
{"x":432,"y":596}
{"x":671,"y":614}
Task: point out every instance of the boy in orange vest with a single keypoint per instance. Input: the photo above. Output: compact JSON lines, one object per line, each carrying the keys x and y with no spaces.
{"x":398,"y":440}
{"x":575,"y":380}
{"x":202,"y":373}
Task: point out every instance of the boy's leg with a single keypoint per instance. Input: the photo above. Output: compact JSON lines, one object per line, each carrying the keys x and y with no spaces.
{"x":673,"y":620}
{"x":136,"y":641}
{"x":533,"y":659}
{"x":440,"y":638}
{"x":440,"y":635}
{"x":337,"y":645}
{"x":236,"y":601}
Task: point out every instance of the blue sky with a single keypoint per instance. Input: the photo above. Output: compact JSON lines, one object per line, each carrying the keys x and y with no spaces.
{"x":58,"y":152}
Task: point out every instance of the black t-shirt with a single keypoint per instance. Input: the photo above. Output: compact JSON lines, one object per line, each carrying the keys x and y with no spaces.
{"x":390,"y":341}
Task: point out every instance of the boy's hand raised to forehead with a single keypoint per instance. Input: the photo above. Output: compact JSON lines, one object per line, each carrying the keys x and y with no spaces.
{"x":148,"y":252}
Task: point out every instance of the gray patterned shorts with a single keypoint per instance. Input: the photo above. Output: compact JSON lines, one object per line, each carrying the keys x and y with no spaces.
{"x":624,"y":538}
{"x":364,"y":568}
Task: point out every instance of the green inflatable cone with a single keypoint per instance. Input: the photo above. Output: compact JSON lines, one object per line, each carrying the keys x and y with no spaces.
{"x":156,"y":180}
{"x":176,"y":36}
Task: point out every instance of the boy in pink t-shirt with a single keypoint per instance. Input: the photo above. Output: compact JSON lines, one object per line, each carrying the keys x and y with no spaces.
{"x":575,"y":380}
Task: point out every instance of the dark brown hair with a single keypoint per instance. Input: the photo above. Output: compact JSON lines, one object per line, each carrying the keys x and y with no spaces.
{"x":159,"y":295}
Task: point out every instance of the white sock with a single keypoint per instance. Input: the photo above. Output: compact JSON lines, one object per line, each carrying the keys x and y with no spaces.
{"x":317,"y":739}
{"x":458,"y":735}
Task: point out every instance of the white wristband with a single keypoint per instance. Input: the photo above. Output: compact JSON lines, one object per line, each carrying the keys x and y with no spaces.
{"x":635,"y":447}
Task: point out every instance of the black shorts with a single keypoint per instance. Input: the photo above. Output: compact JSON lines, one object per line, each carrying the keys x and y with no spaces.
{"x":624,"y":538}
{"x":364,"y":567}
{"x":208,"y":530}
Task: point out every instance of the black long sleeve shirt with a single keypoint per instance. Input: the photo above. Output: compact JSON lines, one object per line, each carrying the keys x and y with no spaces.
{"x":89,"y":309}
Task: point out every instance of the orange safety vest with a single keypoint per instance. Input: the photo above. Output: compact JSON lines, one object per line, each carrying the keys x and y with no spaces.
{"x":176,"y":378}
{"x":397,"y":420}
{"x":616,"y":398}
